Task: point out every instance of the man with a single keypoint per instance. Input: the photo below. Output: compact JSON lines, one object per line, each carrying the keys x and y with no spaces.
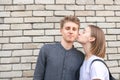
{"x":61,"y":61}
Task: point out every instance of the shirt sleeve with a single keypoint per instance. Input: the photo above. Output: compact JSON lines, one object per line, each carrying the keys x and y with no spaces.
{"x":40,"y":66}
{"x":98,"y":71}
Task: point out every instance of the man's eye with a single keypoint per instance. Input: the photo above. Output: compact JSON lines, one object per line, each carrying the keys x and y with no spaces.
{"x":67,"y":28}
{"x":74,"y":29}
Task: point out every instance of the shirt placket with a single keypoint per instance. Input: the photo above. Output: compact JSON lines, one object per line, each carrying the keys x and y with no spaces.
{"x":65,"y":65}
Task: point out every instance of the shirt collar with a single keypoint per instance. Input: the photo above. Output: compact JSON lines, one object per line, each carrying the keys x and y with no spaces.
{"x":59,"y":43}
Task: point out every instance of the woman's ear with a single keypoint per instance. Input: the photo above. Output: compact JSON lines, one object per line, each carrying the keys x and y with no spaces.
{"x":92,"y":39}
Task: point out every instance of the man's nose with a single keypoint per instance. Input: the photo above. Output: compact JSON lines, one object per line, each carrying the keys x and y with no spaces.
{"x":71,"y":31}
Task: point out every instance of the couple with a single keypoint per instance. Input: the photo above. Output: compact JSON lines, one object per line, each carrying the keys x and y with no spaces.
{"x":61,"y":61}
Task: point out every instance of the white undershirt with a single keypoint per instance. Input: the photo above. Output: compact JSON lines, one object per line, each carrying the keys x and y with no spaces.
{"x":96,"y":70}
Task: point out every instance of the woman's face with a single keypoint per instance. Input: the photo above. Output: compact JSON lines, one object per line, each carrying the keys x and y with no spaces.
{"x":84,"y":36}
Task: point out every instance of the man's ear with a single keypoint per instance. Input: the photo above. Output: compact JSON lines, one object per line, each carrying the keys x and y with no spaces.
{"x":92,"y":39}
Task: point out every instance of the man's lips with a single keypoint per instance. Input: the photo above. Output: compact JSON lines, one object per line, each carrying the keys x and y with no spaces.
{"x":70,"y":36}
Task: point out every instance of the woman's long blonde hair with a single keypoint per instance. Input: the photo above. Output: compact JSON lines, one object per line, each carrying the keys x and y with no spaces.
{"x":98,"y":47}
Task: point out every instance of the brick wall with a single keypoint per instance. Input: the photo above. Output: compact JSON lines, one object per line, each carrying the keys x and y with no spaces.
{"x":26,"y":25}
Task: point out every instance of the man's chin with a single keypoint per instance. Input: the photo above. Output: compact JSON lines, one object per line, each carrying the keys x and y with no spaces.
{"x":70,"y":41}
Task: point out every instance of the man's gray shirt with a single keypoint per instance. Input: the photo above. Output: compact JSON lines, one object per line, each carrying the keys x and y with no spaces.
{"x":56,"y":63}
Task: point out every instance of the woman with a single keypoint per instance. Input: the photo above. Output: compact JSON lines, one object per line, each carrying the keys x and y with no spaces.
{"x":93,"y":41}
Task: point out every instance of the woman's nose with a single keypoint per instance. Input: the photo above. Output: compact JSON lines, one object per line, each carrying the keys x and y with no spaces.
{"x":79,"y":33}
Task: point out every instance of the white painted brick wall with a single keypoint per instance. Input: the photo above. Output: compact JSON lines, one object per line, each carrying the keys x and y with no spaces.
{"x":5,"y":1}
{"x":1,"y":20}
{"x":10,"y":60}
{"x":111,"y":37}
{"x":85,"y":1}
{"x":4,"y":14}
{"x":14,"y":7}
{"x":112,"y":7}
{"x":12,"y":33}
{"x":65,"y":1}
{"x":42,"y":13}
{"x":21,"y":26}
{"x":94,"y":7}
{"x":44,"y":1}
{"x":4,"y":40}
{"x":104,"y":1}
{"x":12,"y":46}
{"x":28,"y":59}
{"x":28,"y":73}
{"x":5,"y":53}
{"x":75,"y":7}
{"x":43,"y":25}
{"x":43,"y":39}
{"x":4,"y":26}
{"x":26,"y":25}
{"x":106,"y":25}
{"x":63,"y":13}
{"x":104,"y":13}
{"x":22,"y":53}
{"x":32,"y":45}
{"x":33,"y":19}
{"x":117,"y":1}
{"x":113,"y":31}
{"x":85,"y":13}
{"x":23,"y":1}
{"x":5,"y":67}
{"x":35,"y":7}
{"x":54,"y":7}
{"x":21,"y":66}
{"x":13,"y":20}
{"x":53,"y":19}
{"x":20,"y":39}
{"x":21,"y":14}
{"x":95,"y":19}
{"x":33,"y":32}
{"x":1,"y":8}
{"x":11,"y":74}
{"x":24,"y":78}
{"x":52,"y":32}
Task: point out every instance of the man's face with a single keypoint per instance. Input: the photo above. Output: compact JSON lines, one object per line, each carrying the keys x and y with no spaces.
{"x":69,"y":31}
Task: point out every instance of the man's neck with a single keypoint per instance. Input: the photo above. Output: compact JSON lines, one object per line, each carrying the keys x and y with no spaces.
{"x":67,"y":45}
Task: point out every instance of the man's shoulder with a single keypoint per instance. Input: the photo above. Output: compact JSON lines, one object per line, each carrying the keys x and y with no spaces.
{"x":49,"y":47}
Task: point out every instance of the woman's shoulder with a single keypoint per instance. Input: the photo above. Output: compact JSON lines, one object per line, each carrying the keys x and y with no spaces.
{"x":98,"y":65}
{"x":94,"y":64}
